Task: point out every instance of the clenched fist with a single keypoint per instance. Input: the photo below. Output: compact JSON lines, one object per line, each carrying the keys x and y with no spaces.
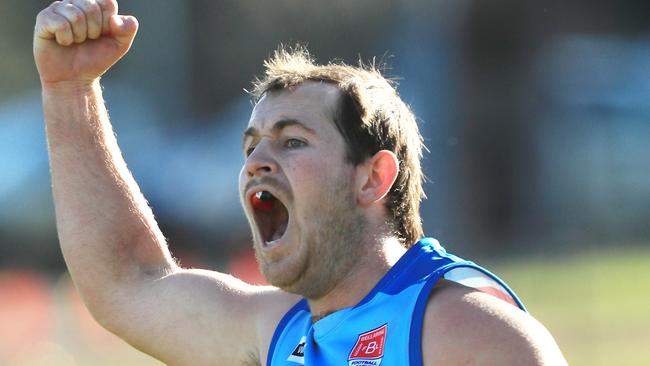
{"x":78,"y":40}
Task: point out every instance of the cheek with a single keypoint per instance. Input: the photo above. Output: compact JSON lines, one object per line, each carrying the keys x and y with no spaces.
{"x":308,"y":174}
{"x":315,"y":181}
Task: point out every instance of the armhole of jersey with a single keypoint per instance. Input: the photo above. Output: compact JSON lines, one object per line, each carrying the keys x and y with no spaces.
{"x":300,"y":305}
{"x":417,"y":320}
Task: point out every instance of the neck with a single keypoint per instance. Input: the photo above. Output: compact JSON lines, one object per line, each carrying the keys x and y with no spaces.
{"x":360,"y":280}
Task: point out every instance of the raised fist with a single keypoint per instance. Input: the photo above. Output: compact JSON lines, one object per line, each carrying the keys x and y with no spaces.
{"x":78,"y":40}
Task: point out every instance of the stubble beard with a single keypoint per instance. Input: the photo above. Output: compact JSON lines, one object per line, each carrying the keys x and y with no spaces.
{"x":331,"y":243}
{"x":334,"y":248}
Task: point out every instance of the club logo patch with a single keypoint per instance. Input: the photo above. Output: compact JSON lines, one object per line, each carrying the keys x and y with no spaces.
{"x":298,"y":354}
{"x":369,"y":349}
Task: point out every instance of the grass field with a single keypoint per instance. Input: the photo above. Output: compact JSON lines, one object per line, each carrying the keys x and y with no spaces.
{"x":597,"y":306}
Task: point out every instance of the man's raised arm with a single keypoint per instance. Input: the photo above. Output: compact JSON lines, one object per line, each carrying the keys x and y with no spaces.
{"x":114,"y":250}
{"x":106,"y":228}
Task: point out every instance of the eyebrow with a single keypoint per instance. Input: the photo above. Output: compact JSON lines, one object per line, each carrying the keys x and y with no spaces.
{"x":277,"y":128}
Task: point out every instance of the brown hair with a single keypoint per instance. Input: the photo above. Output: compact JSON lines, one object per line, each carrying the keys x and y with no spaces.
{"x":371,"y":117}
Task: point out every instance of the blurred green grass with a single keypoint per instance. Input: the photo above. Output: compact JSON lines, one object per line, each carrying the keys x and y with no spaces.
{"x":596,"y":304}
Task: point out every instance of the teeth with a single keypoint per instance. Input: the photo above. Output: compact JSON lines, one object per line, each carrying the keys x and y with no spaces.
{"x":272,"y":242}
{"x":263,"y":195}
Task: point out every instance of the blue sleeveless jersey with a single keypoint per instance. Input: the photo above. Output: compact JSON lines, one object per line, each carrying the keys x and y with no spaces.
{"x":385,"y":328}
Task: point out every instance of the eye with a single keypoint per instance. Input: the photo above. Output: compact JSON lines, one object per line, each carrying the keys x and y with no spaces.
{"x":293,"y":143}
{"x":249,"y":150}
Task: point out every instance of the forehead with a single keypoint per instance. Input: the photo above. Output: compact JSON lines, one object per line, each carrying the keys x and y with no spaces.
{"x":311,"y":103}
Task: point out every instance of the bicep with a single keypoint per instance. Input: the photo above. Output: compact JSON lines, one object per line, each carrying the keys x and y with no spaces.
{"x":192,"y":317}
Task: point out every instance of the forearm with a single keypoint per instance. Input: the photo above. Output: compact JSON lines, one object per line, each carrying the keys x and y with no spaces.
{"x":108,"y":234}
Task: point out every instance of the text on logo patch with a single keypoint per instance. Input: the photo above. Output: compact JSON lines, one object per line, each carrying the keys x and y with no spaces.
{"x":369,"y":349}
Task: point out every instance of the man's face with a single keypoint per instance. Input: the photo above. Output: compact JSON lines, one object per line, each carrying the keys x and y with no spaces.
{"x":306,"y":225}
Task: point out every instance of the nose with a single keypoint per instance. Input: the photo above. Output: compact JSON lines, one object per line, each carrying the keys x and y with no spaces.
{"x":261,"y":162}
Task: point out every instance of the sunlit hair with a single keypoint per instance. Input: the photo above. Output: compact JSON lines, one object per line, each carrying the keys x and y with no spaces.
{"x":371,"y":117}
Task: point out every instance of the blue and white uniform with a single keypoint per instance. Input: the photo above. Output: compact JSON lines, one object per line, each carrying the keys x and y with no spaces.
{"x":385,"y":328}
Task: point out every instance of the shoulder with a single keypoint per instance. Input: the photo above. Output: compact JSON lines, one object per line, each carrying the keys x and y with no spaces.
{"x":465,"y":326}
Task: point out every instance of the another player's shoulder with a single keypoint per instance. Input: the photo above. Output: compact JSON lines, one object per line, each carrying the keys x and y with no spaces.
{"x":468,"y":327}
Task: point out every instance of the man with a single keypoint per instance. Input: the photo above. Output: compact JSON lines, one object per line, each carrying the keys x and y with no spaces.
{"x":331,"y":187}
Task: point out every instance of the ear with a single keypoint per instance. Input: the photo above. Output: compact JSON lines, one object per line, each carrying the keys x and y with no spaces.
{"x":376,"y":177}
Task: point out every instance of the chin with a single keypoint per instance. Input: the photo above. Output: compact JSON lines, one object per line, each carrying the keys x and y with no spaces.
{"x":282,"y":273}
{"x":282,"y":277}
{"x":301,"y":282}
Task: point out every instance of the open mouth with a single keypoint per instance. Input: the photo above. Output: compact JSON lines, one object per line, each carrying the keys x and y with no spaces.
{"x":271,"y":216}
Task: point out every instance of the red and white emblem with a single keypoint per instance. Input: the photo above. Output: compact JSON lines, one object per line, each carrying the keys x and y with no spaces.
{"x":369,"y":349}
